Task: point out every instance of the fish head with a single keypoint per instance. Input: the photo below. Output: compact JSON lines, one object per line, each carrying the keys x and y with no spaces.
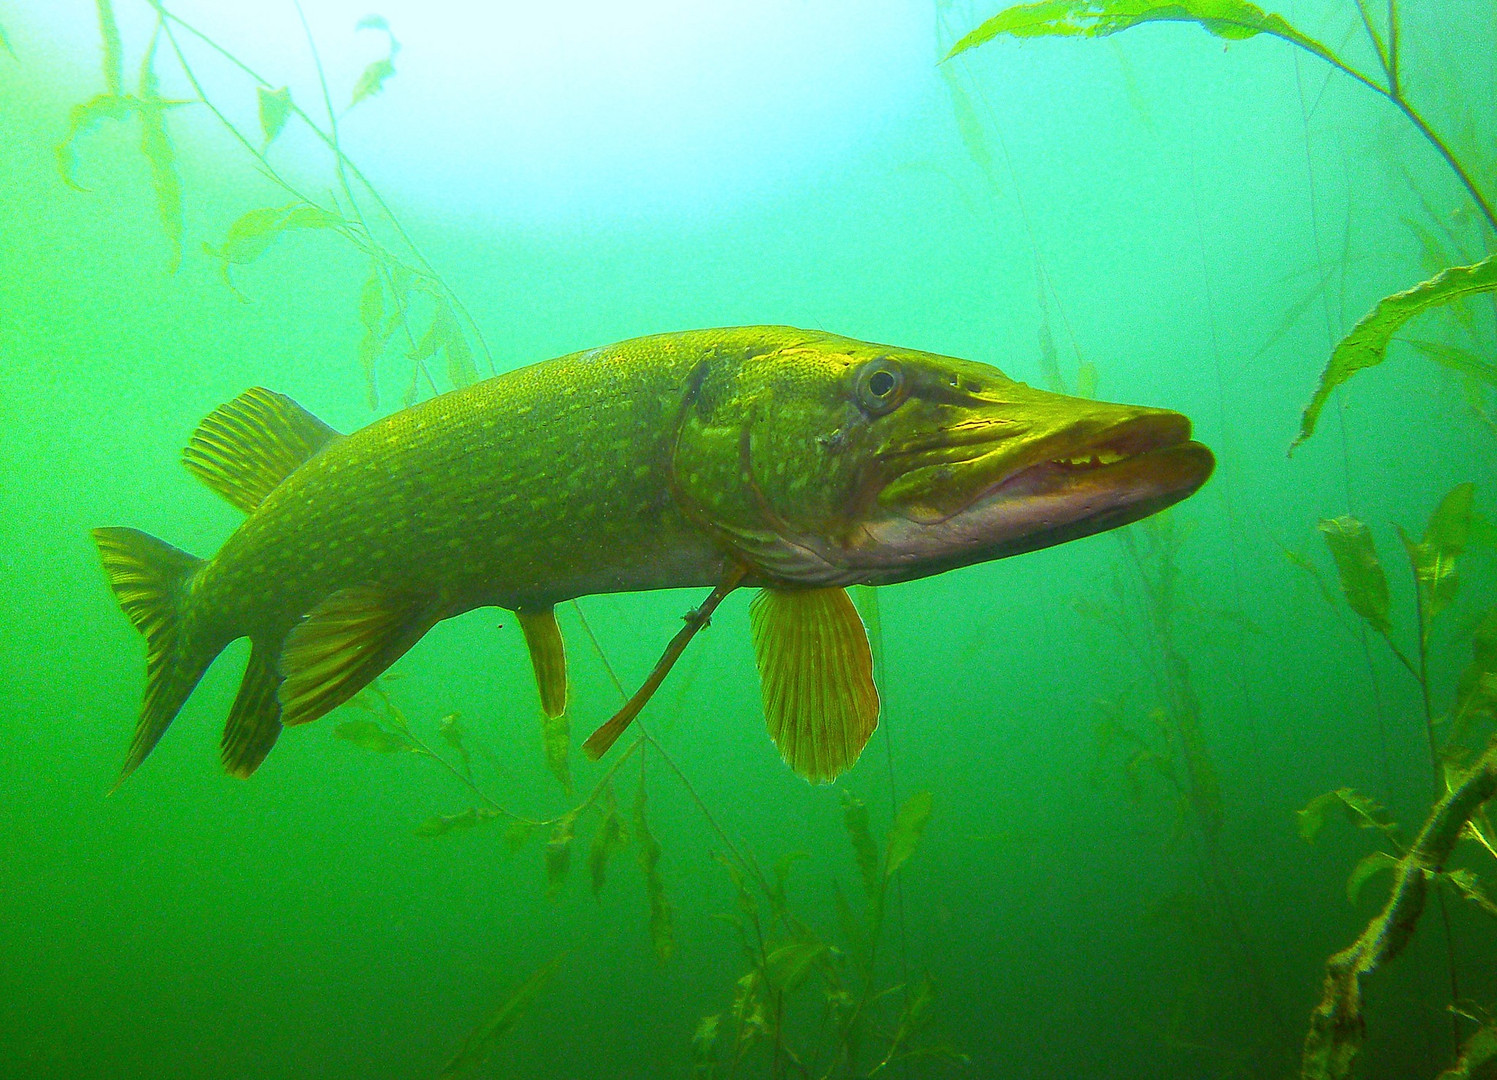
{"x":846,"y":462}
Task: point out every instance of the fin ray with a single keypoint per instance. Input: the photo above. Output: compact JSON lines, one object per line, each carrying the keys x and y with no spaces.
{"x":339,"y":648}
{"x":243,"y":449}
{"x":816,"y":676}
{"x":255,"y":720}
{"x":151,"y":580}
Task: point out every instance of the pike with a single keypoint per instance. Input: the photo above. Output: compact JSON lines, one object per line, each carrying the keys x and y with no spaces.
{"x":789,"y":460}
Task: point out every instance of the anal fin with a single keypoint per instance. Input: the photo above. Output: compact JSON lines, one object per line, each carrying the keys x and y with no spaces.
{"x":341,"y":645}
{"x":246,"y":447}
{"x":255,"y":720}
{"x":816,"y":674}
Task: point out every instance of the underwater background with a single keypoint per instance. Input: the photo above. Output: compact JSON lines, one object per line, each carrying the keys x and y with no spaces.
{"x":1126,"y":741}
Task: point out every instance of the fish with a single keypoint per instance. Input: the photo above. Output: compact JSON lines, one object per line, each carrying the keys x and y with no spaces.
{"x":791,"y":461}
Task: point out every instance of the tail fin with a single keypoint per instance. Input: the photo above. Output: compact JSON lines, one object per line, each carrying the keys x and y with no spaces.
{"x":150,"y":579}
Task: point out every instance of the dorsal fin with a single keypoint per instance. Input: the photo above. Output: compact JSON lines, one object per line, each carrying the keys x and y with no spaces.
{"x":243,"y":449}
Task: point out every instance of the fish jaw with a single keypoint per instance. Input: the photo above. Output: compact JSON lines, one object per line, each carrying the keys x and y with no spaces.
{"x":1084,"y":479}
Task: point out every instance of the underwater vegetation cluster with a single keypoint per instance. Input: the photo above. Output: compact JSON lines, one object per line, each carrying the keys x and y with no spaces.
{"x":827,"y":984}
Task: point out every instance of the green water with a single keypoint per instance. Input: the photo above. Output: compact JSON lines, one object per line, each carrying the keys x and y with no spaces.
{"x":1200,"y":221}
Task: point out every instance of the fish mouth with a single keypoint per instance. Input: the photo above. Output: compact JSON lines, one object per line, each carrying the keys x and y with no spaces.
{"x":980,"y":501}
{"x":1149,"y":453}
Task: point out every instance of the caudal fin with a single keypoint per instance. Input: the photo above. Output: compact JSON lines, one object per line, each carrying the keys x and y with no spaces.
{"x":150,"y":579}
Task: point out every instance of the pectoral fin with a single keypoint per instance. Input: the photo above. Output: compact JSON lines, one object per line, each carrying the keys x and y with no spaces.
{"x":342,"y":644}
{"x":816,"y":674}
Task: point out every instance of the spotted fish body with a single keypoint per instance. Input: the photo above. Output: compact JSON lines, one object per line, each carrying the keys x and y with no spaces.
{"x":793,"y":460}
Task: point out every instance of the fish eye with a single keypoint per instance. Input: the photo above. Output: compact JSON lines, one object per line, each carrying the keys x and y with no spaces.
{"x":879,"y":386}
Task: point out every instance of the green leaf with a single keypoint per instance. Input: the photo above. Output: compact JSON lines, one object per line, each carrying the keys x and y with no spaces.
{"x":82,"y":119}
{"x":372,"y":81}
{"x":370,"y":736}
{"x":855,"y":818}
{"x":788,"y":965}
{"x":703,"y":1043}
{"x":466,"y":819}
{"x":662,"y":935}
{"x":1459,"y":360}
{"x":450,"y":728}
{"x":156,"y":145}
{"x":482,"y":1039}
{"x":5,"y":43}
{"x":518,"y":834}
{"x":1367,"y":344}
{"x":1370,"y":865}
{"x":1363,"y":582}
{"x":1477,"y":687}
{"x":916,"y":1006}
{"x":608,"y":838}
{"x":1469,"y":887}
{"x":254,"y":231}
{"x":559,"y":853}
{"x":1433,"y":557}
{"x":556,"y":737}
{"x":904,"y":834}
{"x":372,"y":22}
{"x":1479,"y":1049}
{"x":1364,"y":811}
{"x":1233,"y":20}
{"x":275,"y":107}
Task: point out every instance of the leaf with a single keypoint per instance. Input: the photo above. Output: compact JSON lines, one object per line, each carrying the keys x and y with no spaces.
{"x":1479,"y":1049}
{"x":1461,"y":361}
{"x":450,"y":728}
{"x":482,"y":1039}
{"x":275,"y":107}
{"x":662,"y":935}
{"x":518,"y":834}
{"x":608,"y":838}
{"x":788,"y":965}
{"x":1363,"y":810}
{"x":460,"y":369}
{"x":1370,"y":865}
{"x":5,"y":43}
{"x":1477,"y":687}
{"x":372,"y":22}
{"x":370,"y":736}
{"x":1469,"y":887}
{"x":1367,"y":344}
{"x":466,"y":819}
{"x":855,"y":818}
{"x":156,"y":145}
{"x":559,"y":853}
{"x":1363,"y":582}
{"x":904,"y":834}
{"x":703,"y":1042}
{"x":372,"y":81}
{"x":911,"y":1019}
{"x":556,"y":737}
{"x":253,"y":232}
{"x":1433,"y":557}
{"x":1233,"y":20}
{"x":82,"y":119}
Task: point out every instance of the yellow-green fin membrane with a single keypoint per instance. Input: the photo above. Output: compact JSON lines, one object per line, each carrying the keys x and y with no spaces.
{"x":342,"y":644}
{"x":255,"y":720}
{"x":816,"y":674}
{"x":244,"y":449}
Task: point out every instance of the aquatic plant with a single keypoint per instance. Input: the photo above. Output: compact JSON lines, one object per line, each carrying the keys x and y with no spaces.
{"x":403,"y":302}
{"x":861,"y":1027}
{"x":1462,"y":743}
{"x":1366,"y":345}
